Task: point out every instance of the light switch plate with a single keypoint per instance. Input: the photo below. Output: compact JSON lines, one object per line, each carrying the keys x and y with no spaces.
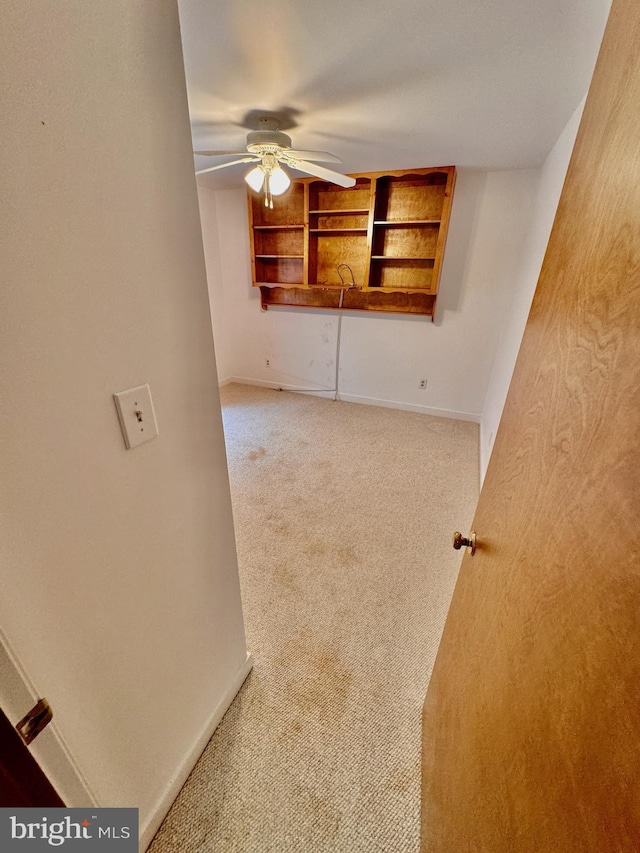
{"x":137,"y":418}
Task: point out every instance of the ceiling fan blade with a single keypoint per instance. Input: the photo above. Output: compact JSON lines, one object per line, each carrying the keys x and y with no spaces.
{"x":321,"y":172}
{"x":231,"y":163}
{"x":215,"y":153}
{"x":322,"y":156}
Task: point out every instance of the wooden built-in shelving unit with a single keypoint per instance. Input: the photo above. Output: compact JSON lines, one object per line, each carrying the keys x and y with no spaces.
{"x":390,"y":229}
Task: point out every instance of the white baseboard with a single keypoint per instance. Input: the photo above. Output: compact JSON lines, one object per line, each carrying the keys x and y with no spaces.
{"x":173,"y":788}
{"x":357,"y":398}
{"x":282,"y":386}
{"x":227,"y":381}
{"x":410,"y":407}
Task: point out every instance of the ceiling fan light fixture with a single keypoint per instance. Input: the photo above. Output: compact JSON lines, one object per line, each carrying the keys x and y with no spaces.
{"x":279,"y":181}
{"x":255,"y":178}
{"x":268,"y":176}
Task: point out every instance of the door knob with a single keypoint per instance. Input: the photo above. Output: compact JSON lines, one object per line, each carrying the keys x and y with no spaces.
{"x":459,"y":541}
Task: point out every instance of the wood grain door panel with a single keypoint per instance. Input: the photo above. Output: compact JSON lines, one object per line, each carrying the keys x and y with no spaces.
{"x":531,"y":725}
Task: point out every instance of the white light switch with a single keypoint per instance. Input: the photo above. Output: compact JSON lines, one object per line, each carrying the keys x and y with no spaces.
{"x":137,"y":418}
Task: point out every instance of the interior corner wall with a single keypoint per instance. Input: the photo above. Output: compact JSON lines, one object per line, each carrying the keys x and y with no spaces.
{"x":550,"y":183}
{"x":215,"y":280}
{"x":383,"y":357}
{"x":120,"y":591}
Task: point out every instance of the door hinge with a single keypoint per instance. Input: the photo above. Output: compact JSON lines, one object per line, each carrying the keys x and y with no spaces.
{"x":34,"y":721}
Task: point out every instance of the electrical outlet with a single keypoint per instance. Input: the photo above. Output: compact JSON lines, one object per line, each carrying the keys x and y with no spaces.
{"x":267,"y":362}
{"x":423,"y":384}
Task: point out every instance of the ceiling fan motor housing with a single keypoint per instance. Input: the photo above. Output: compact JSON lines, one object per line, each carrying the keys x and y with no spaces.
{"x":262,"y":141}
{"x":268,"y":139}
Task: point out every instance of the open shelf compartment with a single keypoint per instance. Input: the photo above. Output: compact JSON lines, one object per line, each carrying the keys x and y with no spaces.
{"x":409,"y":197}
{"x":402,"y":274}
{"x":279,"y":270}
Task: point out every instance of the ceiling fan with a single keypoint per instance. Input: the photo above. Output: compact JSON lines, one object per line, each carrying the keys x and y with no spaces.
{"x":268,"y":147}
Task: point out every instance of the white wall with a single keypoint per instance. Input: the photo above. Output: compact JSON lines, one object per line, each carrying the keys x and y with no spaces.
{"x":213,"y":260}
{"x":119,"y":581}
{"x":383,"y":357}
{"x":550,"y":185}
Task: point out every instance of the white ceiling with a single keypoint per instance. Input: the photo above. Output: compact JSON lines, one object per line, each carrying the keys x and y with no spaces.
{"x":390,"y":84}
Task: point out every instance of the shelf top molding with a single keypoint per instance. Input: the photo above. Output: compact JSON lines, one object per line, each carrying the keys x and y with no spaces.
{"x":389,"y":173}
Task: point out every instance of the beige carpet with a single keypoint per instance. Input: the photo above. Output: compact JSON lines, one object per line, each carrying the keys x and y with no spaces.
{"x":344,"y":515}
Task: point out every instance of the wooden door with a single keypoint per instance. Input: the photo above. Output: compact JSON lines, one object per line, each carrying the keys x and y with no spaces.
{"x":531,"y":725}
{"x":22,"y":782}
